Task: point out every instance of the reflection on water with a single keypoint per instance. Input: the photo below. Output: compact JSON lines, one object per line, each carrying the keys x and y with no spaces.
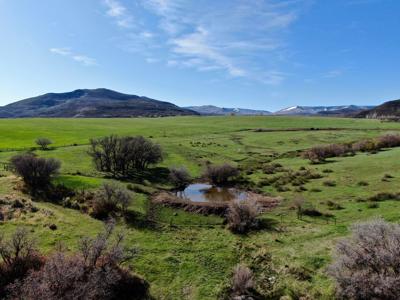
{"x":201,"y":192}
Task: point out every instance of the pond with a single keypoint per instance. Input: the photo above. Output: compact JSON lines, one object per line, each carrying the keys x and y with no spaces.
{"x":202,"y":192}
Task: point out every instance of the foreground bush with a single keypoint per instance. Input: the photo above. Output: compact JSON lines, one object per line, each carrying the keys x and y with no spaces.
{"x":242,"y":215}
{"x":220,"y":175}
{"x":93,"y":273}
{"x":366,"y":265}
{"x":36,"y":172}
{"x":111,"y":199}
{"x":18,"y":256}
{"x":242,"y":282}
{"x":120,"y":156}
{"x":179,"y":177}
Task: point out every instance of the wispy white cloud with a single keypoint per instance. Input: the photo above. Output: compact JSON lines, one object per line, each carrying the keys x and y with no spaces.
{"x":333,"y":73}
{"x":204,"y":54}
{"x":61,"y":51}
{"x":67,"y":52}
{"x":119,"y":12}
{"x":234,"y":37}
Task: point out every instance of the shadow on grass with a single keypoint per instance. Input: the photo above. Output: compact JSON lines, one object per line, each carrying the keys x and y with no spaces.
{"x":157,"y":175}
{"x":268,"y":224}
{"x":138,"y":220}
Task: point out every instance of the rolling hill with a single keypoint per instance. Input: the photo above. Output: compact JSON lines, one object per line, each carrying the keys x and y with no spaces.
{"x":390,"y":109}
{"x":91,"y":103}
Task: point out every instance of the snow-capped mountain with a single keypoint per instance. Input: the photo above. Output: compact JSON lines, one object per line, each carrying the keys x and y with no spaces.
{"x":215,"y":110}
{"x":322,"y":110}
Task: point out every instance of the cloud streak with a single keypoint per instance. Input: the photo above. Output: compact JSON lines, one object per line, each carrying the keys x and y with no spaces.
{"x":230,"y":37}
{"x":80,"y":58}
{"x":119,"y":13}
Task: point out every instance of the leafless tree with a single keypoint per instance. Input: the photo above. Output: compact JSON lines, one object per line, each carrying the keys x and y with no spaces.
{"x":221,"y":174}
{"x":36,"y":172}
{"x":43,"y":143}
{"x":120,"y":156}
{"x":179,"y":177}
{"x":366,"y":265}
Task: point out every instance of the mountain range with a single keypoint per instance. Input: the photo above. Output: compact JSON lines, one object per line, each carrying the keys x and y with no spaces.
{"x":342,"y":110}
{"x":105,"y":103}
{"x":218,"y":111}
{"x":89,"y":103}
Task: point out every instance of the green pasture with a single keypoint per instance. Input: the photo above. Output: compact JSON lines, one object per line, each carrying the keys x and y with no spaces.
{"x":190,"y":256}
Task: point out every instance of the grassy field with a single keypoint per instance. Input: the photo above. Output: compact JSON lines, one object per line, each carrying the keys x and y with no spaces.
{"x":191,"y":256}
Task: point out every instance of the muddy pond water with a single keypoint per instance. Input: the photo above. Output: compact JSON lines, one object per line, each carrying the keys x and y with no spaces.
{"x":202,"y":192}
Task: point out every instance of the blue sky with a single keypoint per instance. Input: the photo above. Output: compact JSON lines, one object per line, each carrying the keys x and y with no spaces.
{"x":235,"y":53}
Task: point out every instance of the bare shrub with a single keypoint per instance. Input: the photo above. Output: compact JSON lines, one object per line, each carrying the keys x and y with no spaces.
{"x":329,"y":183}
{"x":364,"y":146}
{"x":18,"y":256}
{"x":242,"y":215}
{"x":366,"y":265}
{"x":298,"y":204}
{"x":222,"y":174}
{"x":94,"y":273}
{"x":319,"y":154}
{"x":242,"y":281}
{"x":120,"y":156}
{"x":43,"y":143}
{"x":179,"y":177}
{"x":389,"y":140}
{"x":36,"y":172}
{"x":111,"y":199}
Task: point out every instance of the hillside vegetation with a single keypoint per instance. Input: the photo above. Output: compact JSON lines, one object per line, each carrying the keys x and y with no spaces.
{"x":186,"y":255}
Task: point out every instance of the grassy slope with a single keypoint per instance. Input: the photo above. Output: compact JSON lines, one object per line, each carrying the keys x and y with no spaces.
{"x":190,"y":261}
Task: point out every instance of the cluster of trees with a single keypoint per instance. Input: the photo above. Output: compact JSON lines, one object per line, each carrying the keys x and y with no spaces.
{"x":120,"y":156}
{"x":319,"y":154}
{"x":94,"y":272}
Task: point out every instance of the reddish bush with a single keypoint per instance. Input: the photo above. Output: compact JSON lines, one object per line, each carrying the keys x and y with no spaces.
{"x":366,"y":265}
{"x":94,"y":273}
{"x":19,"y":256}
{"x":319,"y":154}
{"x":389,"y":141}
